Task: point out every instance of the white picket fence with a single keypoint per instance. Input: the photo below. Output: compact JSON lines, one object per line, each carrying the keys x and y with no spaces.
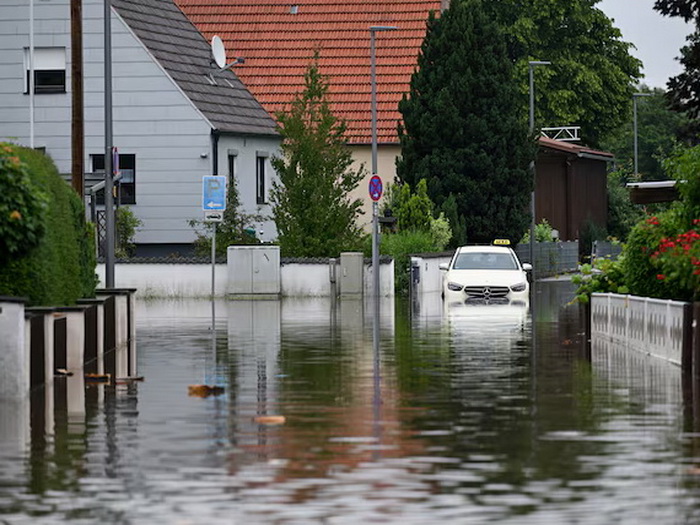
{"x":652,"y":326}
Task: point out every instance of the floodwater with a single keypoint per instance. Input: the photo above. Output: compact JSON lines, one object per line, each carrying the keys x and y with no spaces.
{"x":463,"y":414}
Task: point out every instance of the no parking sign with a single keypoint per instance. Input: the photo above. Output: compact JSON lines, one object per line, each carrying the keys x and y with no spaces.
{"x":375,"y":188}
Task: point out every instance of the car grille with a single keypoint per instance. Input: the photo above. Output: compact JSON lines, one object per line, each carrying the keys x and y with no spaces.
{"x":486,"y":292}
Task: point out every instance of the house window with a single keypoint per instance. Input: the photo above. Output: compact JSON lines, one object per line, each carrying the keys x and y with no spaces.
{"x":232,"y":158}
{"x":126,"y":185}
{"x":49,"y":70}
{"x":260,"y":183}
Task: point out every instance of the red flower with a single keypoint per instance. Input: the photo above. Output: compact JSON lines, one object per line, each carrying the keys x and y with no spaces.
{"x":660,"y":276}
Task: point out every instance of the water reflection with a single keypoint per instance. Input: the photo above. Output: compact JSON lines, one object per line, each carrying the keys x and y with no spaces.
{"x":464,"y":421}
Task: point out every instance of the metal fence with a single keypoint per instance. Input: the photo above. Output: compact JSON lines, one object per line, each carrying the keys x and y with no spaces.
{"x":551,"y":258}
{"x":654,"y":326}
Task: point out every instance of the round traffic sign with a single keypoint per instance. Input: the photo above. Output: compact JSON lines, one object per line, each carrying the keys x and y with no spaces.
{"x":375,"y":188}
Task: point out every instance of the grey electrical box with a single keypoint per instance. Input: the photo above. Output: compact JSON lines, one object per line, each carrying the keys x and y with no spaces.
{"x":351,"y":277}
{"x":254,"y":271}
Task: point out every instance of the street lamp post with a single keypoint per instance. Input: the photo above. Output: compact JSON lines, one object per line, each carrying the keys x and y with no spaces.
{"x":635,"y":96}
{"x":531,"y":67}
{"x":109,"y":181}
{"x":375,"y":221}
{"x":375,"y":230}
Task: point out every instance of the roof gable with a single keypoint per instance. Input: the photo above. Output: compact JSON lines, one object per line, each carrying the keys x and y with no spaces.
{"x":278,"y":41}
{"x":186,"y":56}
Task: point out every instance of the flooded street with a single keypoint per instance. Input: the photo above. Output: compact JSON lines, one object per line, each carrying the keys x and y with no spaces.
{"x":467,"y":414}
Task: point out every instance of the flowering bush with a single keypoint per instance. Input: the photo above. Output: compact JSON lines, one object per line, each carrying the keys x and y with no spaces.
{"x":22,"y":207}
{"x":678,"y":260}
{"x":662,"y":256}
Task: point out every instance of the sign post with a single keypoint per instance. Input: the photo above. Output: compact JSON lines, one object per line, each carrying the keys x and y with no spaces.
{"x":375,"y":192}
{"x":213,"y":205}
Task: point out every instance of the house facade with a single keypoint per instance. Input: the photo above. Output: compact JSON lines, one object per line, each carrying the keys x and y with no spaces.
{"x":281,"y":39}
{"x":176,"y":117}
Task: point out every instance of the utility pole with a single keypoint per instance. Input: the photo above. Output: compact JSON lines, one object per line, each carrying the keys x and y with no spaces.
{"x":77,"y":117}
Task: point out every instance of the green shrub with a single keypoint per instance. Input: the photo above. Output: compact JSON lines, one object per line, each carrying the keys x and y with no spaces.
{"x":543,"y":233}
{"x":622,"y":213}
{"x":22,"y":207}
{"x":125,"y":223}
{"x":604,"y":276}
{"x":61,"y":267}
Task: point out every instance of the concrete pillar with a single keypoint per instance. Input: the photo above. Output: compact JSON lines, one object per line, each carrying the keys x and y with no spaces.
{"x":133,"y":361}
{"x":14,"y":357}
{"x":75,"y":337}
{"x":351,"y":273}
{"x":120,"y":327}
{"x":94,"y":334}
{"x":41,"y":325}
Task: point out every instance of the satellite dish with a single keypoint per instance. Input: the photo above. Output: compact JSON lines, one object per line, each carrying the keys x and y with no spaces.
{"x":218,"y":51}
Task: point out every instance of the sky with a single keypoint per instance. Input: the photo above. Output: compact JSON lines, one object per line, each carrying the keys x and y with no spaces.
{"x":658,"y":39}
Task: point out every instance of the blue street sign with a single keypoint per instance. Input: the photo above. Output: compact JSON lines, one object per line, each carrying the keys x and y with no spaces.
{"x":213,"y":193}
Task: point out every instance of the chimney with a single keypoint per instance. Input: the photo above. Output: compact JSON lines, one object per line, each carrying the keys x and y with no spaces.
{"x":444,"y":4}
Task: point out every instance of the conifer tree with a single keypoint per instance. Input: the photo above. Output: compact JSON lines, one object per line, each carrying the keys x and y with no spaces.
{"x":311,"y":203}
{"x":465,"y":129}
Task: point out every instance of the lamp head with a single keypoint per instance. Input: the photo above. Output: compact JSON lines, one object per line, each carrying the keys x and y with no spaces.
{"x":374,"y":29}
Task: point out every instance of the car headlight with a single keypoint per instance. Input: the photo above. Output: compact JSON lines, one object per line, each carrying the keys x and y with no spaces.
{"x":454,"y":287}
{"x":520,"y":287}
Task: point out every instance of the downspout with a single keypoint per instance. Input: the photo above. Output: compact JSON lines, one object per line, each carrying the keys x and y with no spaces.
{"x":215,"y":133}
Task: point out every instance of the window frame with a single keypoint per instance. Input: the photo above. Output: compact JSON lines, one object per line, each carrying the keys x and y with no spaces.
{"x":126,"y":191}
{"x":260,"y":179}
{"x":49,"y":70}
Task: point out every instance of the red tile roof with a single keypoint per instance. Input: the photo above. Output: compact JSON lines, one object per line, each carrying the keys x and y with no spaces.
{"x":278,"y":46}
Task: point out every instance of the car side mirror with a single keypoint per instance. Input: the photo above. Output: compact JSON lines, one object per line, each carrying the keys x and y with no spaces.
{"x":444,"y":266}
{"x":527,"y":267}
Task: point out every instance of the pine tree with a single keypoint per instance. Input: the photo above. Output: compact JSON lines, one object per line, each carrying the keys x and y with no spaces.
{"x":465,"y":129}
{"x":312,"y":209}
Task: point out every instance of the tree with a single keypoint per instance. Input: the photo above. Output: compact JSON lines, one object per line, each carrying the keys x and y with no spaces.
{"x":592,"y":75}
{"x":464,"y":127}
{"x":311,"y":205}
{"x":658,"y":130}
{"x":684,"y":89}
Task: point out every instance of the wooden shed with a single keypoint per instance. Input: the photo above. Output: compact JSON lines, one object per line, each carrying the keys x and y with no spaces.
{"x":571,"y":187}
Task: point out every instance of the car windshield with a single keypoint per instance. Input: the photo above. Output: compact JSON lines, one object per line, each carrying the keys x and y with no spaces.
{"x":485,"y":261}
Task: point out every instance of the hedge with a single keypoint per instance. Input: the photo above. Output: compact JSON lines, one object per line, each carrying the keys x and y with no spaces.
{"x":61,"y":268}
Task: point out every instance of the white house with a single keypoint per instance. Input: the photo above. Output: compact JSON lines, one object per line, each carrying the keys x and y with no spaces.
{"x":176,"y":116}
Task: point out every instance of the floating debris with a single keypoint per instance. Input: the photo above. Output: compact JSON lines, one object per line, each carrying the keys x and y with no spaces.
{"x":98,"y":378}
{"x":126,"y":380}
{"x":270,"y":420}
{"x":204,"y":390}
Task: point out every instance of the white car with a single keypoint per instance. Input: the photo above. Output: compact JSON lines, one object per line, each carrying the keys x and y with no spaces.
{"x":485,"y":274}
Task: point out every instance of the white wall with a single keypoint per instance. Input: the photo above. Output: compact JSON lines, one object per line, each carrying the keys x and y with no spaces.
{"x":194,"y":280}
